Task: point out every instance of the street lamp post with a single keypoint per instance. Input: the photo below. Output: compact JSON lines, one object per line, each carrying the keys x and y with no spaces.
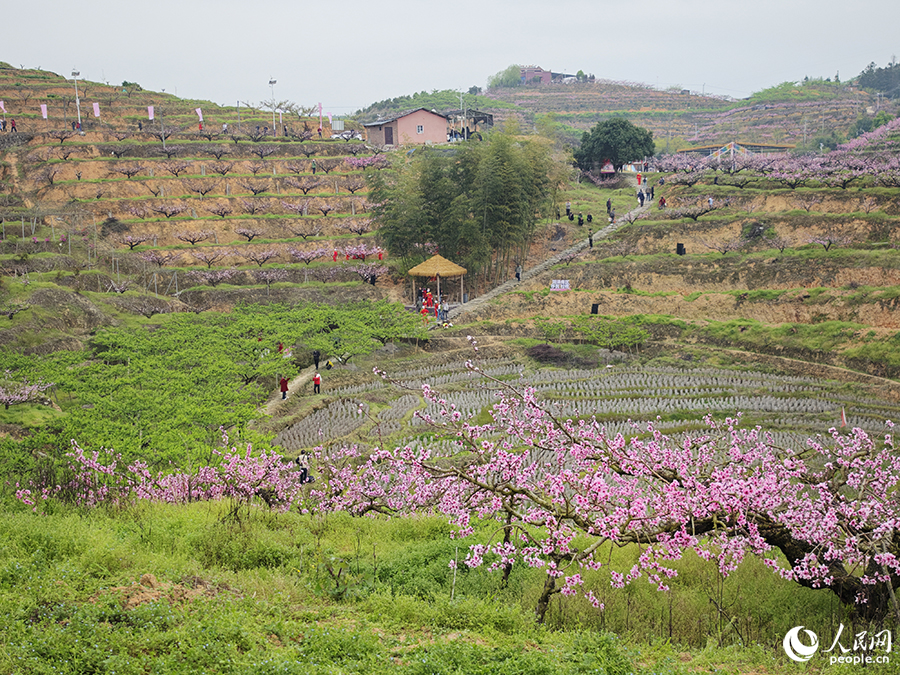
{"x":272,"y":84}
{"x":75,"y":75}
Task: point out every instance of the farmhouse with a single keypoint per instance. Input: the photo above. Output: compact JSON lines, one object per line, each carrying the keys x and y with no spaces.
{"x":413,"y":127}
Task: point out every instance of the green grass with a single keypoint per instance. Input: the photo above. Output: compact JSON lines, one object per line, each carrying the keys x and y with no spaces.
{"x":260,"y":599}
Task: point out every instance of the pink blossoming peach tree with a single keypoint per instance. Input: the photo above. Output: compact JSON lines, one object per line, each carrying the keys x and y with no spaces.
{"x":562,"y":491}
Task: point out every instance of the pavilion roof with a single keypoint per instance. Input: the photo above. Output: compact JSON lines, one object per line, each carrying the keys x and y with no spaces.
{"x":437,"y":265}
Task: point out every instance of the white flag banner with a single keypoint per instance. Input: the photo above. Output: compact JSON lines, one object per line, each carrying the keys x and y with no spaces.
{"x":96,"y":109}
{"x":44,"y":110}
{"x":199,"y":113}
{"x":150,"y":111}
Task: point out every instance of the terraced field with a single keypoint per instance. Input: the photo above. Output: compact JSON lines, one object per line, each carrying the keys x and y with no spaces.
{"x":622,"y":396}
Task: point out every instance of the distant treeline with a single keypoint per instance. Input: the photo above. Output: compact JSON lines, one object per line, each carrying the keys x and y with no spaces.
{"x":886,"y":80}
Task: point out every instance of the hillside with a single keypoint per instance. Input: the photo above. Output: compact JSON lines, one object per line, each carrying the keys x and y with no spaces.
{"x":159,"y":281}
{"x":802,"y":114}
{"x":165,"y":206}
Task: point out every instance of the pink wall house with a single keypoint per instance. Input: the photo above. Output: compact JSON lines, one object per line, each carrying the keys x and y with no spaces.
{"x":414,"y":127}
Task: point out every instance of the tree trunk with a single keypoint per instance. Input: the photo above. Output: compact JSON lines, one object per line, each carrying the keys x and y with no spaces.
{"x":547,"y":593}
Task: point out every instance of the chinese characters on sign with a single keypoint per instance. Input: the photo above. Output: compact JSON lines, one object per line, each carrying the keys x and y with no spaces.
{"x":864,"y":647}
{"x":559,"y":285}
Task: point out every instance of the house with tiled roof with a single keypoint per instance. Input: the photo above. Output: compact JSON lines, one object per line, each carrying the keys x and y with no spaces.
{"x":413,"y":127}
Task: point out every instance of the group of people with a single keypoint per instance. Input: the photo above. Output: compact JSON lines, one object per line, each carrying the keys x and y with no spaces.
{"x":284,"y":383}
{"x":571,"y":215}
{"x":12,"y":126}
{"x":644,"y":194}
{"x":430,"y":306}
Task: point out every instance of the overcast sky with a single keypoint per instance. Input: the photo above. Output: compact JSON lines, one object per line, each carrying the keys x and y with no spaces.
{"x":348,"y":53}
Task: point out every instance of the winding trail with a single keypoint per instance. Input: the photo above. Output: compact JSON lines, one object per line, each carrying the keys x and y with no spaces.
{"x":508,"y":286}
{"x":294,"y":385}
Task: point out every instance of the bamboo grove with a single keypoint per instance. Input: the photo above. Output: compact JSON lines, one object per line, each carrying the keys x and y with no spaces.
{"x":477,"y":204}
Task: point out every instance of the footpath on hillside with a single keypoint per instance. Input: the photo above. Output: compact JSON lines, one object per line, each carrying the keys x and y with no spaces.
{"x":301,"y":378}
{"x":577,"y":247}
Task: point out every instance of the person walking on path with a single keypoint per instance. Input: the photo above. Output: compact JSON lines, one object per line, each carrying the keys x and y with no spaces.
{"x":608,"y":206}
{"x":314,"y":167}
{"x":284,"y":387}
{"x":317,"y":383}
{"x":519,"y":272}
{"x":316,"y":356}
{"x":12,"y":127}
{"x":590,"y":239}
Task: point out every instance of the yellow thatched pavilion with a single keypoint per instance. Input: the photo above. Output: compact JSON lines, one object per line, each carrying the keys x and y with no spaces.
{"x":438,"y":266}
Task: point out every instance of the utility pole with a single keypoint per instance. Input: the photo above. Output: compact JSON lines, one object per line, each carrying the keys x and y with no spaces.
{"x":75,"y":75}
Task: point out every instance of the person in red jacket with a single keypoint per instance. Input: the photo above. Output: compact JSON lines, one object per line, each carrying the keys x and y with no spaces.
{"x":334,"y":256}
{"x":317,"y":382}
{"x":284,"y":387}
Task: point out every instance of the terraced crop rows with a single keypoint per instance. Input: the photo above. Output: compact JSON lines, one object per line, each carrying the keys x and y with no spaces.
{"x":624,"y":399}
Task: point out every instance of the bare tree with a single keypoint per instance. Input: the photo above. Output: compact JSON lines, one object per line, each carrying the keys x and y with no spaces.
{"x":255,"y":135}
{"x":304,"y":228}
{"x":295,"y":167}
{"x":325,"y":208}
{"x":134,"y":240}
{"x":66,"y":151}
{"x":200,"y":187}
{"x":255,"y":187}
{"x":254,"y":206}
{"x":209,"y":256}
{"x":269,"y":277}
{"x":868,"y":204}
{"x":207,"y":133}
{"x":263,"y":151}
{"x":158,"y":258}
{"x":176,"y":168}
{"x":354,"y":184}
{"x":48,"y":175}
{"x":118,"y":151}
{"x":118,"y":287}
{"x":168,"y":210}
{"x":300,"y":208}
{"x":303,"y":184}
{"x":808,"y":201}
{"x":62,"y":135}
{"x":355,"y":149}
{"x":170,"y":151}
{"x":221,"y":168}
{"x":307,"y":150}
{"x":128,"y":170}
{"x":778,"y":242}
{"x":193,"y":237}
{"x":329,"y":165}
{"x":726,"y":246}
{"x":220,"y":210}
{"x":162,"y":134}
{"x":830,"y":238}
{"x":120,"y":135}
{"x":257,"y":167}
{"x":217,"y":151}
{"x":250,"y":233}
{"x":155,"y":189}
{"x":260,"y":257}
{"x":359,"y":226}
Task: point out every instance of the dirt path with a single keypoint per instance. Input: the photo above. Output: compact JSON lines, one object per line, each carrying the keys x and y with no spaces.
{"x":294,"y":385}
{"x":507,"y":286}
